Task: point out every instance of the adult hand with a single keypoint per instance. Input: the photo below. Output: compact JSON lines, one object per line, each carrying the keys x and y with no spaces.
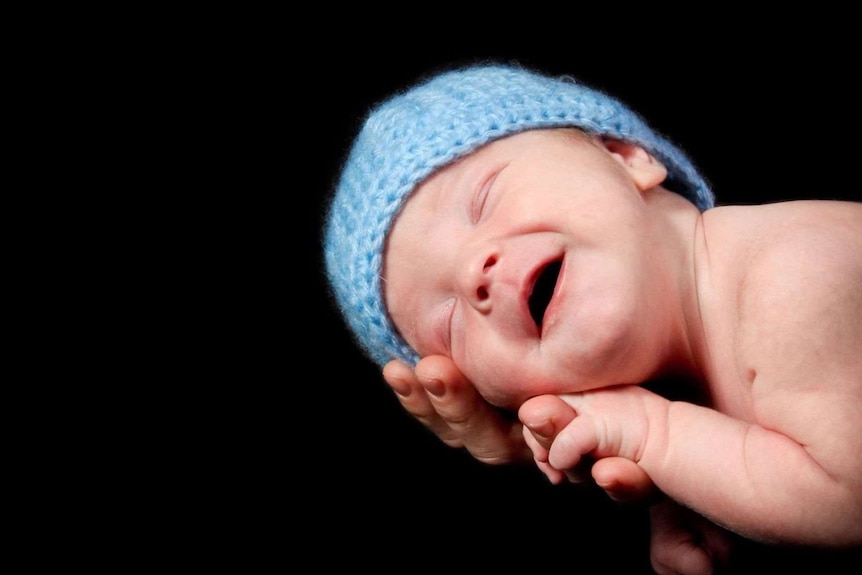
{"x":441,"y":398}
{"x":685,"y":543}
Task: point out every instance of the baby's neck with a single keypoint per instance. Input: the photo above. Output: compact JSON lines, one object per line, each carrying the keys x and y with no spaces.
{"x":684,"y":259}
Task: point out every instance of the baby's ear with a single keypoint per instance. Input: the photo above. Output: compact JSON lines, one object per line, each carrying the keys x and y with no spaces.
{"x":646,"y":171}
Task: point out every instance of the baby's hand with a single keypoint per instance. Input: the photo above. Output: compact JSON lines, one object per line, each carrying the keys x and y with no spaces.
{"x":609,"y":422}
{"x":581,"y":435}
{"x":545,"y":418}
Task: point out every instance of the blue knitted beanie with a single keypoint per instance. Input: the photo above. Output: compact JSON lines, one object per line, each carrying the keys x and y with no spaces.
{"x":416,"y":132}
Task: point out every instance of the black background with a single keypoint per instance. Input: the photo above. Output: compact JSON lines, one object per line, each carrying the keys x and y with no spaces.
{"x":223,"y":416}
{"x":349,"y":477}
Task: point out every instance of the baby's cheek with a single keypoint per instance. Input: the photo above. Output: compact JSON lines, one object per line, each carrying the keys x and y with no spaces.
{"x":495,"y":366}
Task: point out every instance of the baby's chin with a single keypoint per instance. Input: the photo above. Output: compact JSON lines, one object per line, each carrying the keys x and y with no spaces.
{"x":511,"y":389}
{"x":499,"y":392}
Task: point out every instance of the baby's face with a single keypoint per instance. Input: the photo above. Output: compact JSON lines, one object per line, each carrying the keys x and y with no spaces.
{"x":527,"y":262}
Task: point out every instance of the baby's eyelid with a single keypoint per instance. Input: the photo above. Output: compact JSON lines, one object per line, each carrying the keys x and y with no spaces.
{"x":481,"y":197}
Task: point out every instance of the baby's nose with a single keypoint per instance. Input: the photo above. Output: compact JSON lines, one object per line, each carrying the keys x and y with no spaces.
{"x":478,"y":278}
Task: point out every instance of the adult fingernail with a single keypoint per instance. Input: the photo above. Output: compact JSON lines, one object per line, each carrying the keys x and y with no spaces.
{"x":434,"y":386}
{"x":401,"y":390}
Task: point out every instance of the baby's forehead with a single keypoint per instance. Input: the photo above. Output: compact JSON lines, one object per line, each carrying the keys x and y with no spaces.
{"x":511,"y":144}
{"x":436,"y":192}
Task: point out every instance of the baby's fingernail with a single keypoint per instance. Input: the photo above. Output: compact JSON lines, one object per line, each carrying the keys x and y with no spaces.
{"x":434,"y":386}
{"x":542,"y":430}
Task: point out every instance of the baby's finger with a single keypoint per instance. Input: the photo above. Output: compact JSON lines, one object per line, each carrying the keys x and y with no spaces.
{"x":581,"y":473}
{"x":545,"y":416}
{"x":537,"y":446}
{"x":540,"y":456}
{"x":577,"y":439}
{"x":555,"y":476}
{"x":624,"y":481}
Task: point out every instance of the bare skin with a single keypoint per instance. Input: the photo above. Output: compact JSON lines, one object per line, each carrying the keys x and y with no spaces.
{"x":442,"y":399}
{"x":761,"y":306}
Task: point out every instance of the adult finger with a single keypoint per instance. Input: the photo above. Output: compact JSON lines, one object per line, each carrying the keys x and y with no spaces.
{"x":488,"y":433}
{"x":676,"y":547}
{"x":414,"y":399}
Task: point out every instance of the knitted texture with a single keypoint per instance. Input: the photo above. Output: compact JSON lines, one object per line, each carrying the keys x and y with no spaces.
{"x":416,"y":132}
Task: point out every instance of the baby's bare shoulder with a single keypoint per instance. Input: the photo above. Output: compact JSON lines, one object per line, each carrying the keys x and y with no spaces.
{"x":805,"y":247}
{"x":800,"y":299}
{"x":785,"y":250}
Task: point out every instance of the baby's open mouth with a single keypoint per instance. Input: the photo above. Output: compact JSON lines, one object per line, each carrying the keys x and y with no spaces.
{"x":543,"y":290}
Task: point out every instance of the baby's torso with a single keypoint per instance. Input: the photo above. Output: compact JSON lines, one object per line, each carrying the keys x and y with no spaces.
{"x":781,"y":301}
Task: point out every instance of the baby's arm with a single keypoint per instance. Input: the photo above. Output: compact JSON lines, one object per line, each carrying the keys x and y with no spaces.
{"x":749,"y":479}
